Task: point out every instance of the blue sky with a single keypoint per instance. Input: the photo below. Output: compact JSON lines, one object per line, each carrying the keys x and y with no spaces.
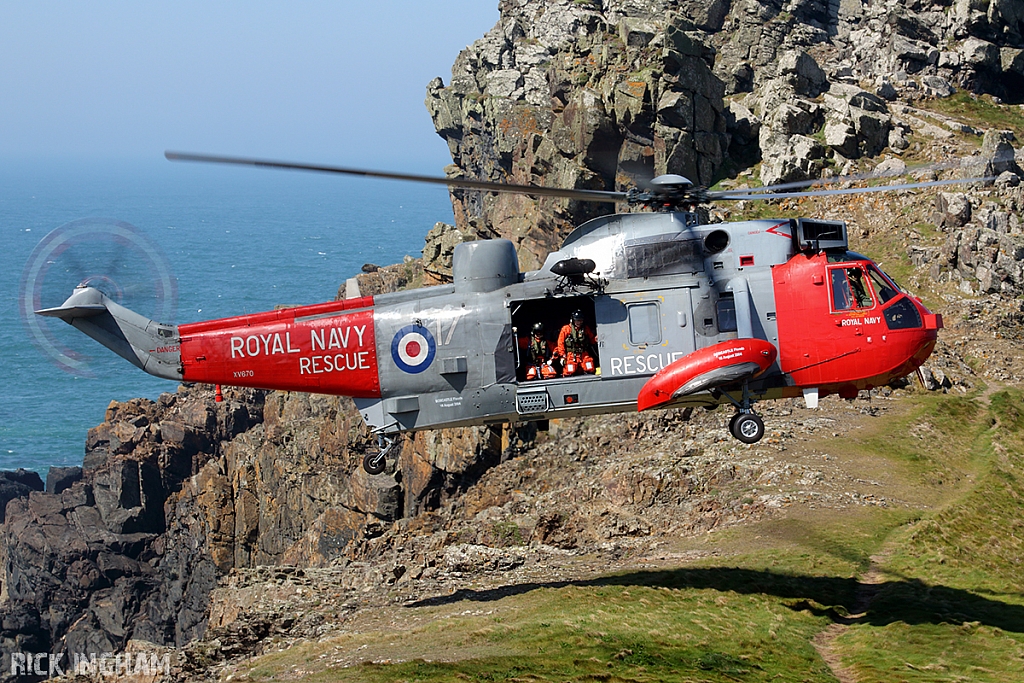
{"x":341,"y":82}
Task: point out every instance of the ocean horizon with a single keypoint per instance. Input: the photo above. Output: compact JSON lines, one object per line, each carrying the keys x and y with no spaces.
{"x":236,"y":240}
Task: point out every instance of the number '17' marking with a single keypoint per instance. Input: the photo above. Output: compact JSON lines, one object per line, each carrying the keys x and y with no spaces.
{"x":443,"y":340}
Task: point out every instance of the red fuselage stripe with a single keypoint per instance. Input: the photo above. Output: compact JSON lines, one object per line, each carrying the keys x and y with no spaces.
{"x":325,"y":348}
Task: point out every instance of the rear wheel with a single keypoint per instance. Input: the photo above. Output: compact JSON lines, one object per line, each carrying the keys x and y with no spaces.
{"x":747,"y":427}
{"x":374,"y":463}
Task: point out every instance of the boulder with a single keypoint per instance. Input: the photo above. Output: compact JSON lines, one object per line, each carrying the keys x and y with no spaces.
{"x":17,"y":484}
{"x":743,"y":125}
{"x":872,"y":129}
{"x":954,"y":209}
{"x":1007,"y":179}
{"x":504,"y":83}
{"x":802,"y":73}
{"x":841,"y":137}
{"x":24,"y":477}
{"x":980,"y":54}
{"x":790,"y":158}
{"x":898,"y":137}
{"x":913,"y":55}
{"x":1011,"y":60}
{"x":936,"y":86}
{"x":438,"y":251}
{"x":890,"y":167}
{"x":60,"y":478}
{"x":997,"y":149}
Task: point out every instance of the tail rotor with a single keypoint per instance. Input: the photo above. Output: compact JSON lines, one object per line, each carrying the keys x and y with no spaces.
{"x":113,"y":257}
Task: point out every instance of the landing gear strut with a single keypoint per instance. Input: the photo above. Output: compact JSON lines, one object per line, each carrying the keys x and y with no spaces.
{"x":745,"y":425}
{"x":374,"y":463}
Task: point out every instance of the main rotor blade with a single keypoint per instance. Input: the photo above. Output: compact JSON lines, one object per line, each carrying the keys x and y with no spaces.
{"x":867,"y":175}
{"x":485,"y":185}
{"x":854,"y":190}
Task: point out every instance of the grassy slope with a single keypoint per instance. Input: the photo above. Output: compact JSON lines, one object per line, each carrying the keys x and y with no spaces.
{"x":953,"y":608}
{"x":950,"y":606}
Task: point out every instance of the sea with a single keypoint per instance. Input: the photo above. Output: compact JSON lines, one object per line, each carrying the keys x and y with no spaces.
{"x":229,"y":241}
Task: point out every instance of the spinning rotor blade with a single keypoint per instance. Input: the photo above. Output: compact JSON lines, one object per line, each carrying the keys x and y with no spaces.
{"x":867,"y":175}
{"x":485,"y":185}
{"x":109,"y":255}
{"x":851,"y":190}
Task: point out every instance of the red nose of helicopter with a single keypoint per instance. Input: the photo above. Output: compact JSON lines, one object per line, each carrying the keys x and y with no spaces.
{"x":845,"y":326}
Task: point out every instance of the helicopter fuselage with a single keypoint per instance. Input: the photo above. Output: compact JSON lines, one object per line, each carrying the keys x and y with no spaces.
{"x":670,"y":301}
{"x":663,"y":288}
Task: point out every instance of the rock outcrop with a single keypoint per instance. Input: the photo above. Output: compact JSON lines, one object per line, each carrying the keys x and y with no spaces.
{"x":99,"y":558}
{"x":603,"y":95}
{"x":820,"y":77}
{"x":984,"y":252}
{"x":576,"y":95}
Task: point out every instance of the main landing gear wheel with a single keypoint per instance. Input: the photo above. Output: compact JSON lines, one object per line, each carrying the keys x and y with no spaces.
{"x":374,"y":463}
{"x":747,"y":427}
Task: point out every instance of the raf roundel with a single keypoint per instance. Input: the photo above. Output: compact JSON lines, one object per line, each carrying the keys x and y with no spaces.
{"x":413,"y":349}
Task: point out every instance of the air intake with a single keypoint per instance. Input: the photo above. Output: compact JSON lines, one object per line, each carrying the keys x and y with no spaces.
{"x":817,"y":235}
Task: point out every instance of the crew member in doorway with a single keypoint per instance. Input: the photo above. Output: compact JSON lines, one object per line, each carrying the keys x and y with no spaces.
{"x":577,"y":344}
{"x":540,"y":360}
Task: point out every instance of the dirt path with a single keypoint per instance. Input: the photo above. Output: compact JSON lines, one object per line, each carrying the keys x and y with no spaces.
{"x":869,"y":585}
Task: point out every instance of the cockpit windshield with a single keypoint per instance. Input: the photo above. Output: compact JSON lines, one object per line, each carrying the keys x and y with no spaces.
{"x":883,"y":288}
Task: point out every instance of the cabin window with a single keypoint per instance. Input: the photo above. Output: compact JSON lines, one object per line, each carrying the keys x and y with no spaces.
{"x":644,"y":324}
{"x":726,"y":309}
{"x":849,"y":290}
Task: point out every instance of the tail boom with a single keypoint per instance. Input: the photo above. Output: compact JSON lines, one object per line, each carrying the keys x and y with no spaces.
{"x":148,"y":345}
{"x":325,"y":348}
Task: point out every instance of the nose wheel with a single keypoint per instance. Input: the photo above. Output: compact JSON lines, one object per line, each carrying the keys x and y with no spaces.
{"x":747,"y":427}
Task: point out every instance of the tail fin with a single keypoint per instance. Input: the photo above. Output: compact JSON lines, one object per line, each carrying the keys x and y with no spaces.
{"x":151,"y":346}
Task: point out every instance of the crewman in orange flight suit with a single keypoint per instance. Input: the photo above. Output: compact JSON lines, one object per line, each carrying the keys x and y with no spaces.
{"x":539,"y":357}
{"x":577,"y":344}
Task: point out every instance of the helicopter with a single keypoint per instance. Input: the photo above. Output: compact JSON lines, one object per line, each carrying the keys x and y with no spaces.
{"x":680,"y":312}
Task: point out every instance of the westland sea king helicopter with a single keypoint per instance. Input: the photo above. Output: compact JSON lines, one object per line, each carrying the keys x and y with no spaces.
{"x":635,"y":311}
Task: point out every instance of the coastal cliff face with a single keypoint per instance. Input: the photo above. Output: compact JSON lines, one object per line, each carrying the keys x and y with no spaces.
{"x":573,"y":95}
{"x":177,"y":492}
{"x":182,"y":495}
{"x":602,"y":95}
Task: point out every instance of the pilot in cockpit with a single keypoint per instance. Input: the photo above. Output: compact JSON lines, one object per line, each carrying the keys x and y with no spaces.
{"x":849,"y":290}
{"x":860,"y":292}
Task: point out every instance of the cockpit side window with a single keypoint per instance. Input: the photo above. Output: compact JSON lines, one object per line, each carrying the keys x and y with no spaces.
{"x":883,"y":289}
{"x":849,"y":290}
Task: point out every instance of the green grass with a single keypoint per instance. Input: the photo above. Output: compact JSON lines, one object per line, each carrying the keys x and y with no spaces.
{"x":953,"y":608}
{"x":980,"y":112}
{"x":949,"y":607}
{"x":621,"y":629}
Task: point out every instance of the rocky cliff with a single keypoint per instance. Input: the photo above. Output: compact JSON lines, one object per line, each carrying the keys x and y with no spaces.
{"x":606,"y":94}
{"x":182,"y":495}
